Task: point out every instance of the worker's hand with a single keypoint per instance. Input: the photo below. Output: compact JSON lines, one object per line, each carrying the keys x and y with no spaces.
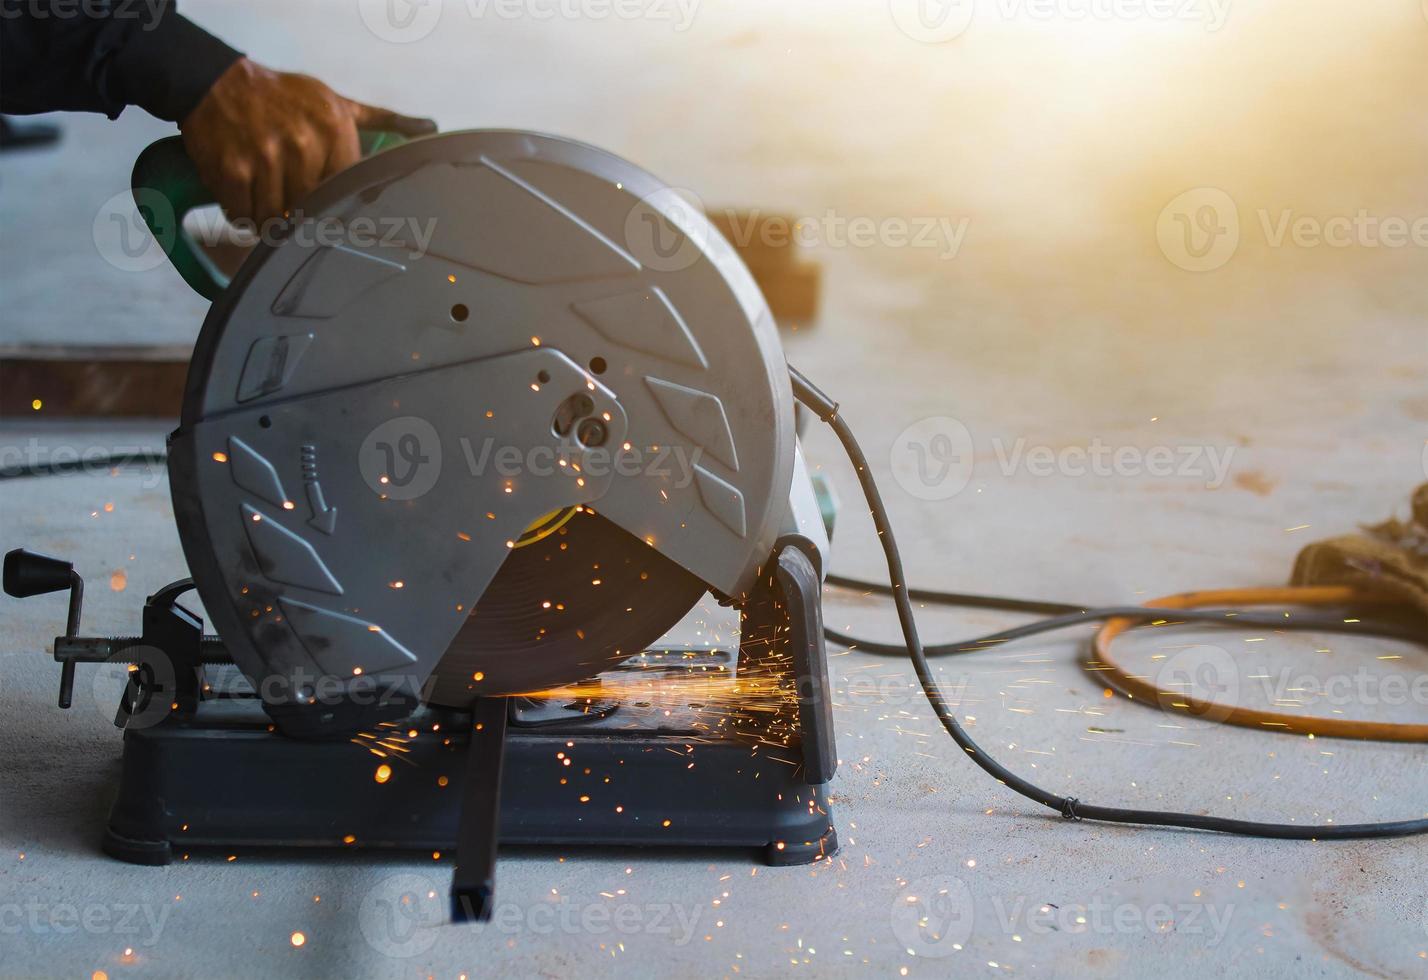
{"x":262,"y":139}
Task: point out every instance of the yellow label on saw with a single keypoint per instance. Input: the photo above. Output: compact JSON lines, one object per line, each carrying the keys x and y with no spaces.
{"x":546,"y":525}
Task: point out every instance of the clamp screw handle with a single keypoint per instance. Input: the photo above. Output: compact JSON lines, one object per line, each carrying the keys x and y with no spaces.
{"x":28,"y":574}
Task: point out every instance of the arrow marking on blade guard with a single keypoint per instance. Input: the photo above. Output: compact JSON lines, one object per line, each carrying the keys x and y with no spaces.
{"x":323,"y":518}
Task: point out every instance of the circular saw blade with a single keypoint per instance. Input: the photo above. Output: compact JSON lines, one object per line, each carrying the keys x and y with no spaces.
{"x":566,"y":604}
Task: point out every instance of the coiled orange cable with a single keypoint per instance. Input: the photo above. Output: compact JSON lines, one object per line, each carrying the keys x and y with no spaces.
{"x":1099,"y":661}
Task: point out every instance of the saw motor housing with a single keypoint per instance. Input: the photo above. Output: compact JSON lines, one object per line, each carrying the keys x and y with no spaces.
{"x":460,"y":343}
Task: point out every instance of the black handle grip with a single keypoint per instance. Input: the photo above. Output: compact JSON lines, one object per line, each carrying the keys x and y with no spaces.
{"x":27,"y":574}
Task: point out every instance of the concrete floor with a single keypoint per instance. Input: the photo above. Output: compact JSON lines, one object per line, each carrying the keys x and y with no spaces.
{"x":1058,"y":324}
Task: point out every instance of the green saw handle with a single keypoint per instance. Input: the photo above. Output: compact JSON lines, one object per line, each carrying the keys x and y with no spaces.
{"x":166,"y":187}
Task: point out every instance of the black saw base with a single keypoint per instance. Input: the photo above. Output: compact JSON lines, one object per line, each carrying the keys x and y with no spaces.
{"x":223,"y":778}
{"x":738,"y":756}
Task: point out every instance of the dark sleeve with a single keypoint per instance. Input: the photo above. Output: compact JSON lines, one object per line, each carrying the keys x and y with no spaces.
{"x":103,"y":55}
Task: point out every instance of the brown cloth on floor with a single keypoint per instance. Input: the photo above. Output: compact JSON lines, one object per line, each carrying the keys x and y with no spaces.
{"x":1390,"y":559}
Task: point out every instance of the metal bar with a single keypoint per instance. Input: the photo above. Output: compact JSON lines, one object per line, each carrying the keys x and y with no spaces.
{"x":473,"y":885}
{"x":114,"y":649}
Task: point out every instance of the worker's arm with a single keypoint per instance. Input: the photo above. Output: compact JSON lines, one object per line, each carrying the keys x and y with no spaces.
{"x":103,"y":55}
{"x":261,"y":139}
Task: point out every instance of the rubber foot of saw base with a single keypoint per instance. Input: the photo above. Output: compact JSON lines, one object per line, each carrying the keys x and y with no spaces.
{"x":786,"y":854}
{"x":154,"y":853}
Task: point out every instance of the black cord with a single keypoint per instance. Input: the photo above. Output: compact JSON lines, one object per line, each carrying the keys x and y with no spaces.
{"x":1064,"y":614}
{"x":959,"y":598}
{"x":1219,"y":617}
{"x":1069,"y":807}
